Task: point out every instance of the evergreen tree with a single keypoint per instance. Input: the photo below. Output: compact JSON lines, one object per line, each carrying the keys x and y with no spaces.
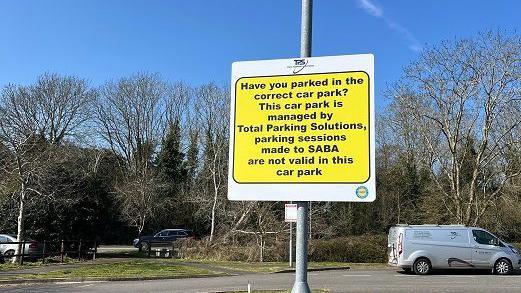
{"x":192,"y":158}
{"x":172,"y":169}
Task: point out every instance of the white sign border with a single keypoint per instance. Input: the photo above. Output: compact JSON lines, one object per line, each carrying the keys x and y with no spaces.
{"x":341,"y":192}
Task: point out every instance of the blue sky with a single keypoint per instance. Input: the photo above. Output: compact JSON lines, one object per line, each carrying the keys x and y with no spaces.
{"x":196,"y":41}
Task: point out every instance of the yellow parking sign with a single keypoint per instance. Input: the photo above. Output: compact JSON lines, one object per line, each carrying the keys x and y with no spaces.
{"x":310,"y":128}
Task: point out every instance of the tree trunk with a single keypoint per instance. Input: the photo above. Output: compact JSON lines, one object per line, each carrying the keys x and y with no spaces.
{"x":215,"y":195}
{"x":213,"y":216}
{"x":21,"y":227}
{"x":261,"y":248}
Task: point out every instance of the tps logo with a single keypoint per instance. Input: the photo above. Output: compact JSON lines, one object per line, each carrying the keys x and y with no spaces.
{"x":362,"y":192}
{"x":299,"y":65}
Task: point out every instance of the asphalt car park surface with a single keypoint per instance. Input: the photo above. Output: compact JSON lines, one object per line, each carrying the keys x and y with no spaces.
{"x":370,"y":280}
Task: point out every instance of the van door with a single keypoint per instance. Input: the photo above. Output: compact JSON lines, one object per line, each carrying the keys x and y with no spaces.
{"x":454,"y":249}
{"x":392,"y":246}
{"x":483,"y":248}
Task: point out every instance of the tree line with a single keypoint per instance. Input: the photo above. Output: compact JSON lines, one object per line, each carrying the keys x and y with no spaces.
{"x":141,"y":153}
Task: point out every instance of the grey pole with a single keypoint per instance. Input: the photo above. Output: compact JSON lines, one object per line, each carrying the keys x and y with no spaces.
{"x":290,"y":244}
{"x":310,"y":211}
{"x":305,"y":28}
{"x":301,"y":271}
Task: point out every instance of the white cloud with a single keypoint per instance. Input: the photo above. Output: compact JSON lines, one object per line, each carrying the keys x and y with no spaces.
{"x":414,"y":44}
{"x":371,"y":8}
{"x":377,"y":11}
{"x":415,"y":48}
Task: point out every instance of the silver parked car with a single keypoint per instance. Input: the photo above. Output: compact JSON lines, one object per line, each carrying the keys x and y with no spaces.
{"x":8,"y":248}
{"x":421,"y":248}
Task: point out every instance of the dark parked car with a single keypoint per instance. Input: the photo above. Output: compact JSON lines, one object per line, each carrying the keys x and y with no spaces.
{"x":164,"y":237}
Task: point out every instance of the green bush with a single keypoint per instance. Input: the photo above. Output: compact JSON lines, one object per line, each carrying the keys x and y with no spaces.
{"x":361,"y":249}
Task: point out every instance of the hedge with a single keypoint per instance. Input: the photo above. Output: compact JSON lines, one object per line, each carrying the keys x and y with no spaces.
{"x":358,"y":249}
{"x":361,"y":249}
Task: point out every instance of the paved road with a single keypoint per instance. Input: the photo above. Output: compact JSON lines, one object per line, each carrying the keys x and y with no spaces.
{"x":377,"y":280}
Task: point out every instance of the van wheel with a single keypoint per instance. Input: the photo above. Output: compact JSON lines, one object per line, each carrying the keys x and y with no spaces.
{"x":503,"y":267}
{"x":422,"y":266}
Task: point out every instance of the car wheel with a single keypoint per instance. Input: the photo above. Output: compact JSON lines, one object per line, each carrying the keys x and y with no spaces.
{"x":503,"y":267}
{"x":422,"y":266}
{"x":9,"y":254}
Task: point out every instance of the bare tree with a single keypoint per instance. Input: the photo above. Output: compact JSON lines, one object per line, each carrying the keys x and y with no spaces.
{"x":131,"y":119}
{"x":179,"y":103}
{"x":264,"y":222}
{"x":33,"y":120}
{"x":64,"y":106}
{"x":212,"y":111}
{"x":460,"y":106}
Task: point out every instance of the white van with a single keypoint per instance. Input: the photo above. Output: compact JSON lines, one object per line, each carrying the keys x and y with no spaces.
{"x":424,"y":247}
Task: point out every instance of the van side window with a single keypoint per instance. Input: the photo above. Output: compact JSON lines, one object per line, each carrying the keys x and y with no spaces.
{"x":483,"y":237}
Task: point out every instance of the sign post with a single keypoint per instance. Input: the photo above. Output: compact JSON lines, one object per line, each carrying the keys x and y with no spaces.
{"x":301,"y":269}
{"x":290,"y":244}
{"x":302,"y":130}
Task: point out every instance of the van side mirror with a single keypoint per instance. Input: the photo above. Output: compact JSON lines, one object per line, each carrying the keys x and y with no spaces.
{"x":496,"y":241}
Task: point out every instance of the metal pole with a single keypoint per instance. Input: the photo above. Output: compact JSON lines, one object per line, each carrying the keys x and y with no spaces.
{"x":290,"y":244}
{"x":305,"y":28}
{"x":310,"y":211}
{"x":301,"y":271}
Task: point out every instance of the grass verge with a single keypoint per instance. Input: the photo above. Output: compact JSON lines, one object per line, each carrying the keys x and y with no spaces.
{"x":11,"y":266}
{"x":122,"y":270}
{"x":8,"y":266}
